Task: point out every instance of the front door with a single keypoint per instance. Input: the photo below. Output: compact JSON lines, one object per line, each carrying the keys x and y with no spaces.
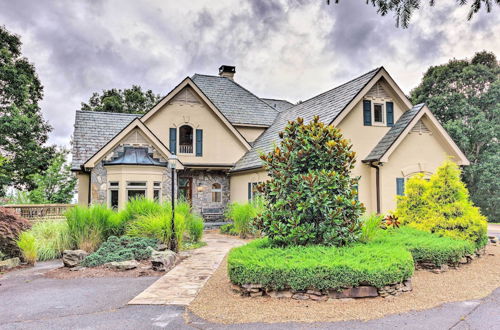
{"x":185,"y":188}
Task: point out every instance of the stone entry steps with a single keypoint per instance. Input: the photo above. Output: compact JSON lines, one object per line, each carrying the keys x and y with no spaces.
{"x":181,"y":285}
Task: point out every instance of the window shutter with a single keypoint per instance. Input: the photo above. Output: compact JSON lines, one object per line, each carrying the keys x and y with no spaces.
{"x":249,"y":191}
{"x":389,"y":106}
{"x":367,"y":112}
{"x":173,"y":140}
{"x":400,"y":186}
{"x":199,"y":142}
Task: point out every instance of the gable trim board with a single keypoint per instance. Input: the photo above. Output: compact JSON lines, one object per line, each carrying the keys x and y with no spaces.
{"x":400,"y":130}
{"x":136,"y":123}
{"x":381,"y":73}
{"x":188,"y":82}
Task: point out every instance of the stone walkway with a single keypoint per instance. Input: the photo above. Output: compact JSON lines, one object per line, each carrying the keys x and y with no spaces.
{"x":181,"y":285}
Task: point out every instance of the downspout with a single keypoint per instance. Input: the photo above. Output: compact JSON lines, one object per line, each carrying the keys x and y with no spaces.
{"x":377,"y":184}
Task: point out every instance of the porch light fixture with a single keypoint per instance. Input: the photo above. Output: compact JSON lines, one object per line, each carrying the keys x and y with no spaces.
{"x":172,"y":163}
{"x":200,"y":188}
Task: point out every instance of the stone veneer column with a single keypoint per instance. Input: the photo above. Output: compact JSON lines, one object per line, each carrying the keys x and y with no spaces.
{"x":98,"y":185}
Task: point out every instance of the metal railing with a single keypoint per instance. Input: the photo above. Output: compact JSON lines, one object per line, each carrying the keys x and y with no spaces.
{"x":38,"y":212}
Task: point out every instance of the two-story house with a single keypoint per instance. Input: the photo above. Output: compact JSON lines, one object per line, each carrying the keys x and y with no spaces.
{"x":216,"y":129}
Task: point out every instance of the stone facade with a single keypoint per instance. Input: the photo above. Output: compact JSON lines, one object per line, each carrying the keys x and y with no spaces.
{"x":99,"y":184}
{"x":201,"y":189}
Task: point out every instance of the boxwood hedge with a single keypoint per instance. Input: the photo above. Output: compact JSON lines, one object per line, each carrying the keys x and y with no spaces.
{"x":389,"y":258}
{"x":424,"y":246}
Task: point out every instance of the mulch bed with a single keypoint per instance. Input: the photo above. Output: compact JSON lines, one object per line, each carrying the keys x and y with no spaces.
{"x":471,"y":281}
{"x":65,"y":273}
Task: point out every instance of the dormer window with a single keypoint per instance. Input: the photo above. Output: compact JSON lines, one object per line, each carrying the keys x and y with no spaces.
{"x":186,"y":139}
{"x":378,"y":112}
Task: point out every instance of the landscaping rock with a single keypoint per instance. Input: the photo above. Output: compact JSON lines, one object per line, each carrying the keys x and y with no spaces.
{"x":357,"y":292}
{"x":300,"y":296}
{"x":72,"y":258}
{"x":163,"y":260}
{"x":9,"y":263}
{"x":463,"y":260}
{"x":318,"y":298}
{"x":407,"y":286}
{"x":280,"y":294}
{"x":122,"y":265}
{"x":162,"y":247}
{"x":77,"y":268}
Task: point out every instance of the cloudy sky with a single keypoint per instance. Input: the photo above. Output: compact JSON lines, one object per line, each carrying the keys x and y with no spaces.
{"x":283,"y":49}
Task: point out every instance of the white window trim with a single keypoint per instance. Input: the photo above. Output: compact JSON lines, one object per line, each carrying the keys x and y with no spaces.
{"x":216,"y":190}
{"x":252,"y":192}
{"x":113,"y":188}
{"x":379,"y":123}
{"x":179,"y":140}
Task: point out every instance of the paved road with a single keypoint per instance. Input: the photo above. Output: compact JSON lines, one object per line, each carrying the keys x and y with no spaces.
{"x":30,"y":301}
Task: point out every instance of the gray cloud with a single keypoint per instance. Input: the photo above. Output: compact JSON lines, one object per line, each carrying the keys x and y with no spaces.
{"x":289,"y":49}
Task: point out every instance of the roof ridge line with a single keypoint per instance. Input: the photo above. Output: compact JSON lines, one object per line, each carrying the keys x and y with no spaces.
{"x":111,"y":113}
{"x":336,"y":87}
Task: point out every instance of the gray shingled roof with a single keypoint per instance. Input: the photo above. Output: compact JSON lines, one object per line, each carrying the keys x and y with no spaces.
{"x":392,"y":135}
{"x":327,"y":106}
{"x":236,"y":103}
{"x":279,"y":105}
{"x":93,"y":130}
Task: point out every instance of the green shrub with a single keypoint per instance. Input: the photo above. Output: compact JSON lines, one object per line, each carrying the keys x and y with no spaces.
{"x":424,"y":246}
{"x":195,"y":227}
{"x":137,"y":207}
{"x":228,"y":229}
{"x":89,"y":227}
{"x":27,"y":244}
{"x":52,"y":238}
{"x":157,"y":226}
{"x":442,"y":206}
{"x":157,"y":223}
{"x":242,"y":215}
{"x":311,"y":196}
{"x":121,"y":249}
{"x":370,"y":225}
{"x":319,"y":267}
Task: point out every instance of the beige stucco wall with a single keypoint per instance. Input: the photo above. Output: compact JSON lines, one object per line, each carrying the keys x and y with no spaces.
{"x":250,"y":133}
{"x":364,"y":139}
{"x":83,"y":188}
{"x":416,"y":153}
{"x":220,"y":145}
{"x":239,"y":183}
{"x":124,"y":173}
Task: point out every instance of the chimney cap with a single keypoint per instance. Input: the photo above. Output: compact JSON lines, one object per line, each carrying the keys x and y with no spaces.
{"x":227,"y":68}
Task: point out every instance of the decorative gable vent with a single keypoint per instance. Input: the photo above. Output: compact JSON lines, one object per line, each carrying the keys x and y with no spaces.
{"x":420,"y":128}
{"x":378,"y":91}
{"x":186,"y":95}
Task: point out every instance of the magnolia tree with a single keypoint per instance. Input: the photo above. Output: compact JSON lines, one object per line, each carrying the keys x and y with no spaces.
{"x":311,"y":196}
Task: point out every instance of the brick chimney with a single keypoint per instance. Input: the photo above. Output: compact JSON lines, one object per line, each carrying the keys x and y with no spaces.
{"x":227,"y":71}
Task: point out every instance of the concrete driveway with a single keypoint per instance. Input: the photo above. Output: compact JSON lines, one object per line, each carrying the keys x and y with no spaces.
{"x":28,"y":300}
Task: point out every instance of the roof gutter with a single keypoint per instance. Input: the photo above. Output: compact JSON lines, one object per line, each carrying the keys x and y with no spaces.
{"x":377,"y":184}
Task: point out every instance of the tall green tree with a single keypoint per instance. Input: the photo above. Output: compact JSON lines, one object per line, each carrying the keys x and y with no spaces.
{"x":23,"y":131}
{"x":465,"y":97}
{"x":56,"y":184}
{"x":128,"y":100}
{"x":403,"y":9}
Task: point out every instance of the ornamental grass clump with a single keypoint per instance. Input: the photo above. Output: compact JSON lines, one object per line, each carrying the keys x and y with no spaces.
{"x":27,"y":243}
{"x":311,"y":196}
{"x":442,"y":206}
{"x":243,"y":216}
{"x":52,"y":238}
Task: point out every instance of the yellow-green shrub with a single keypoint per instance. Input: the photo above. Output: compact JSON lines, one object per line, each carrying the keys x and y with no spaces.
{"x":442,"y":206}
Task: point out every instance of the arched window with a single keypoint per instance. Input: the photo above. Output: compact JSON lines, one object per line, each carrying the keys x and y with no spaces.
{"x":186,"y":139}
{"x":216,"y":193}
